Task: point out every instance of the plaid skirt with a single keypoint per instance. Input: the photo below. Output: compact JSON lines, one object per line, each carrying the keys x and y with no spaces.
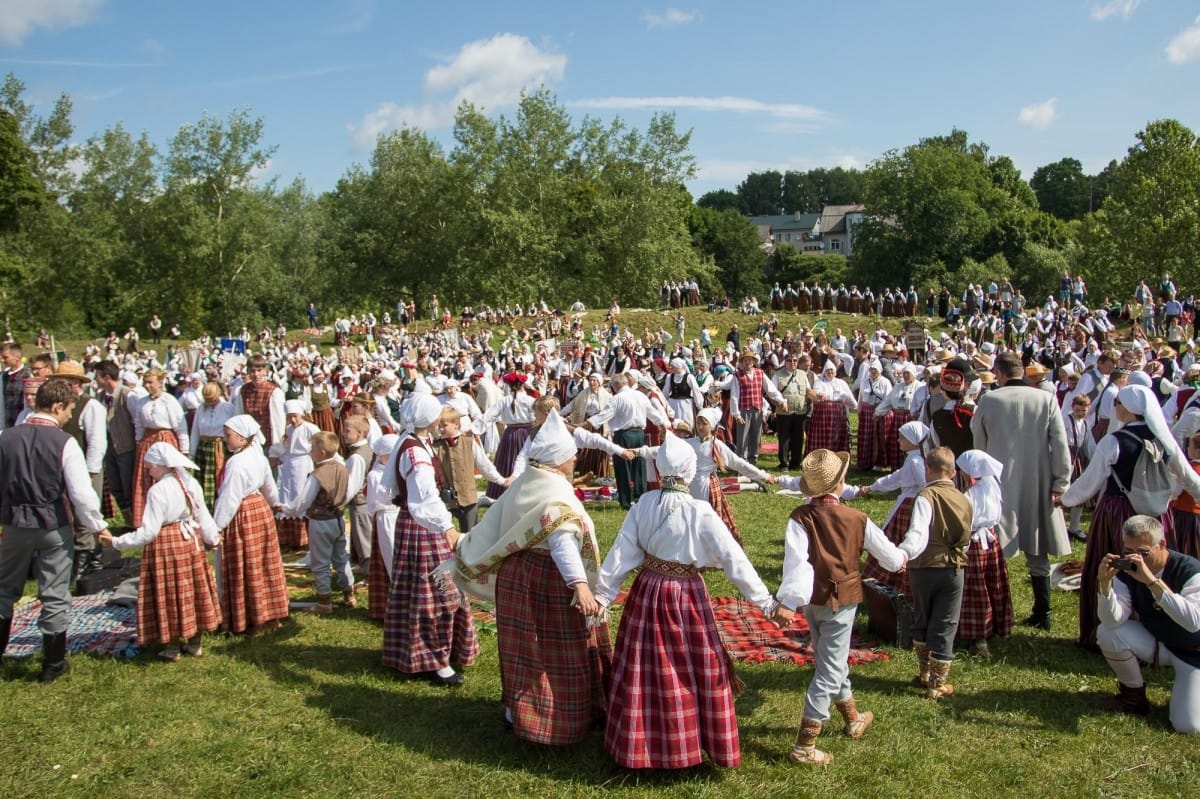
{"x":554,"y":671}
{"x":379,"y":586}
{"x":865,"y":455}
{"x":987,"y":602}
{"x":253,"y":588}
{"x":293,"y":533}
{"x":141,"y":473}
{"x":895,"y":530}
{"x":890,"y":456}
{"x":324,"y":420}
{"x":210,"y":457}
{"x":511,"y":443}
{"x":672,"y":695}
{"x":424,"y":628}
{"x":1104,"y":537}
{"x":177,"y":594}
{"x":720,"y":503}
{"x":829,"y":428}
{"x":1187,"y":532}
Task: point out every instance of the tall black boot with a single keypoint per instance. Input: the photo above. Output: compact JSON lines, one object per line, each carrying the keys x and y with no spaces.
{"x":5,"y":629}
{"x":79,"y":567}
{"x":1040,"y":617}
{"x":54,"y":657}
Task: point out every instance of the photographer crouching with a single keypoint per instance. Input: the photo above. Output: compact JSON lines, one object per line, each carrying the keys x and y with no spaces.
{"x":1151,"y":613}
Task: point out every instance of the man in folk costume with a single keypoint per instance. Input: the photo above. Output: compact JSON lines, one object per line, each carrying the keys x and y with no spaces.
{"x":88,"y":425}
{"x":119,"y":455}
{"x":626,"y":416}
{"x":1021,"y":426}
{"x":791,"y":419}
{"x":749,"y":388}
{"x":262,"y":400}
{"x":535,"y":554}
{"x":822,"y":547}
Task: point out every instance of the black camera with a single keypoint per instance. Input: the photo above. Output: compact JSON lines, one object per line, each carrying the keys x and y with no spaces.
{"x":1122,"y":564}
{"x":449,"y":495}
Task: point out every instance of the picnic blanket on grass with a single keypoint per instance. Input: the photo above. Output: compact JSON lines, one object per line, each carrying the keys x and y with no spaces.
{"x":749,"y":637}
{"x":96,"y":627}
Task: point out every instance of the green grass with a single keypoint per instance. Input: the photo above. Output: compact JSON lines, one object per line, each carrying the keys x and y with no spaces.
{"x":310,"y":711}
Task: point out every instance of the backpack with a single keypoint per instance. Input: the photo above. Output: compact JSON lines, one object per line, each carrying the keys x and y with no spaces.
{"x":1150,"y":489}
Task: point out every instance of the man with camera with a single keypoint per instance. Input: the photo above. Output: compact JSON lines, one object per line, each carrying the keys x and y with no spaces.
{"x":1151,"y":612}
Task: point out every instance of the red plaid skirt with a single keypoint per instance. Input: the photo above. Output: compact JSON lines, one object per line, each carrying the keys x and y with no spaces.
{"x":293,"y":533}
{"x":720,"y":503}
{"x":141,"y":474}
{"x":672,"y":695}
{"x":177,"y":594}
{"x":890,"y":456}
{"x":554,"y":671}
{"x":1104,"y":536}
{"x":324,"y":420}
{"x":378,"y":584}
{"x":864,"y":456}
{"x":1187,"y":532}
{"x":424,"y":629}
{"x":895,"y":531}
{"x":829,"y":428}
{"x":253,"y":588}
{"x":987,"y":602}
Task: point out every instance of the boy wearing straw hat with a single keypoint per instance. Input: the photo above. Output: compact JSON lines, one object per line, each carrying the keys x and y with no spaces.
{"x":823,"y":544}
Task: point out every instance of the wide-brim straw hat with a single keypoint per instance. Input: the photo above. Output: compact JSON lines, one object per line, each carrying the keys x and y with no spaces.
{"x":823,"y":470}
{"x":71,"y":370}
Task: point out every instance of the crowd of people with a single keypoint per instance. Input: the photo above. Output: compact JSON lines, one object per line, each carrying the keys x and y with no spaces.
{"x":367,"y":455}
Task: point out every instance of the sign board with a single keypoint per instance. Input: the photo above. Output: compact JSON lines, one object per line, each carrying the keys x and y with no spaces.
{"x":820,"y":326}
{"x":914,"y":341}
{"x":234,"y":345}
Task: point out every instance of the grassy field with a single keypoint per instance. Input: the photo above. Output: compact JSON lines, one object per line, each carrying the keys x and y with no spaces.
{"x":309,"y":711}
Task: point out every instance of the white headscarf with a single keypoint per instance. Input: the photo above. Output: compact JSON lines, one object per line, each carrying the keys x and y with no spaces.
{"x":712,"y":415}
{"x":914,"y":432}
{"x":424,"y":410}
{"x":163,"y":454}
{"x":1139,"y":378}
{"x":293,"y":406}
{"x":553,"y":444}
{"x":245,"y":426}
{"x":985,"y":493}
{"x":676,"y":459}
{"x":1141,"y":401}
{"x":385,"y":444}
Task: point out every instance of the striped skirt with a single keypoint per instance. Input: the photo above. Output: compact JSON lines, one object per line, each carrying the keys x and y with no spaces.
{"x":895,"y":530}
{"x":865,"y":454}
{"x":672,"y":696}
{"x":890,"y":456}
{"x":324,"y":420}
{"x":1104,"y":536}
{"x":424,"y":629}
{"x":987,"y":601}
{"x":379,"y":585}
{"x":141,"y":473}
{"x":253,"y":588}
{"x":554,"y":671}
{"x":210,"y":457}
{"x":720,"y":503}
{"x":177,"y":594}
{"x":829,"y":428}
{"x":511,"y":443}
{"x":1187,"y":532}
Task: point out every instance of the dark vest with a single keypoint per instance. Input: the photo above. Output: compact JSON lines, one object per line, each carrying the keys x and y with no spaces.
{"x":1179,"y":569}
{"x":32,"y":486}
{"x":72,"y":427}
{"x":401,"y":498}
{"x":363,"y":451}
{"x":678,"y":387}
{"x":836,"y":535}
{"x":949,"y":528}
{"x":333,"y":479}
{"x":1129,"y":443}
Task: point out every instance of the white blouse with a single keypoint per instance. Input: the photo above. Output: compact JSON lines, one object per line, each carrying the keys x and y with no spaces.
{"x":209,"y":423}
{"x":424,"y":503}
{"x":246,"y":472}
{"x":163,"y":411}
{"x":166,"y":504}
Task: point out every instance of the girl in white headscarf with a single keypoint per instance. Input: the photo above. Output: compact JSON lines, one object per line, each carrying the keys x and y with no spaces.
{"x":177,"y":595}
{"x":987,"y":601}
{"x":383,"y":516}
{"x":1109,"y":475}
{"x":253,"y":589}
{"x":668,"y":645}
{"x":892,"y":413}
{"x":294,"y":453}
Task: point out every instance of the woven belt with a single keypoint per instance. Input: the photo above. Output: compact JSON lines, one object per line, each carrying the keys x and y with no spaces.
{"x":669,"y":568}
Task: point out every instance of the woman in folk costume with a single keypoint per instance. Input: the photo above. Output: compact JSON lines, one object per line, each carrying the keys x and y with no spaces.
{"x":383,"y":515}
{"x":873,"y":389}
{"x":177,"y":595}
{"x":987,"y":609}
{"x":909,"y":479}
{"x":535,"y":554}
{"x":1185,"y":508}
{"x":673,"y":684}
{"x":206,"y":444}
{"x":682,"y":392}
{"x":1108,"y":474}
{"x":253,"y":590}
{"x":894,"y":412}
{"x":158,"y":417}
{"x":516,"y":411}
{"x":322,"y":401}
{"x":829,"y":427}
{"x":587,"y":403}
{"x":426,"y":631}
{"x":295,"y":465}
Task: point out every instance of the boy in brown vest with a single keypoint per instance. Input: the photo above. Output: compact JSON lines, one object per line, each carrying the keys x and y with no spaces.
{"x":360,"y":458}
{"x":936,"y":544}
{"x":322,"y":501}
{"x":460,"y":454}
{"x":822,"y":547}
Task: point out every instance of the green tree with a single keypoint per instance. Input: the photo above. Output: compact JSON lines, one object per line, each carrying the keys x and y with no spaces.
{"x":729,"y":241}
{"x":762,"y":193}
{"x":1062,"y":188}
{"x":723,"y":199}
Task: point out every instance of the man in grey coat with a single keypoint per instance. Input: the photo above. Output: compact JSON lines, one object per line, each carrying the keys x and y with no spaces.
{"x":1021,"y":426}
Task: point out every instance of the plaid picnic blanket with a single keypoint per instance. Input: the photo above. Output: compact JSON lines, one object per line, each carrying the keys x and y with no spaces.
{"x":96,"y":627}
{"x":750,"y":638}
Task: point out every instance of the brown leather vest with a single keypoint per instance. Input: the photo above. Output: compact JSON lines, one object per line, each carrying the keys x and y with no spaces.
{"x":836,"y":535}
{"x":331,"y":498}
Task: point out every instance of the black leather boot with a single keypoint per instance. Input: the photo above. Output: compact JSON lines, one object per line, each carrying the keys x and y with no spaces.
{"x":1040,"y":617}
{"x":79,"y":567}
{"x":5,"y":629}
{"x":54,"y":657}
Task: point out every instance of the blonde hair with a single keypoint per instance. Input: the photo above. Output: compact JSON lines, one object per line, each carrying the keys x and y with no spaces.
{"x":212,"y":391}
{"x":328,"y":442}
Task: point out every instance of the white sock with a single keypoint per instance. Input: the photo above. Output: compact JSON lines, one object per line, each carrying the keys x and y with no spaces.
{"x":1126,"y":667}
{"x":445,"y":671}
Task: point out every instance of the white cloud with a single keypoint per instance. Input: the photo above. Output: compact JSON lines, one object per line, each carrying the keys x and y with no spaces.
{"x":1186,"y":45}
{"x":20,"y":18}
{"x":1115,"y":8}
{"x":1039,"y":116}
{"x":669,"y":18}
{"x":738,"y":105}
{"x":489,"y":73}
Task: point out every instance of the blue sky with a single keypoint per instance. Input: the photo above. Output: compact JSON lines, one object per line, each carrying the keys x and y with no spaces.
{"x":783,"y":85}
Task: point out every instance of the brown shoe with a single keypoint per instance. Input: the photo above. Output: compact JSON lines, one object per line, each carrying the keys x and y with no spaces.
{"x":1126,"y":700}
{"x":805,"y":751}
{"x":324,"y":606}
{"x":856,"y":722}
{"x":348,"y":599}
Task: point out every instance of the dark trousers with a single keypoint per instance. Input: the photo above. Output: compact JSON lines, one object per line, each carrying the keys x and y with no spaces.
{"x":466,"y":517}
{"x":118,"y":470}
{"x":937,"y":600}
{"x":791,"y":428}
{"x":630,"y":475}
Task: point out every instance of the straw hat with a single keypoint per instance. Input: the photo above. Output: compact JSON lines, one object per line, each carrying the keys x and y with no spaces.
{"x":986,"y":377}
{"x":1035,"y":371}
{"x":943,"y":355}
{"x":823,"y":470}
{"x":749,"y":353}
{"x":71,"y":370}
